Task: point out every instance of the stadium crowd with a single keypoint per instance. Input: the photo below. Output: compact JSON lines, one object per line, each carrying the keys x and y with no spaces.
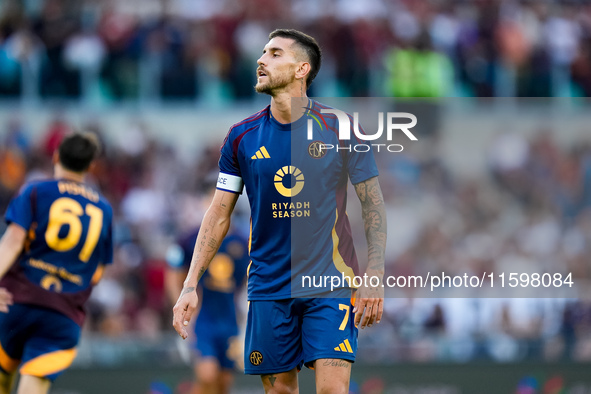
{"x":530,"y":213}
{"x":198,"y":50}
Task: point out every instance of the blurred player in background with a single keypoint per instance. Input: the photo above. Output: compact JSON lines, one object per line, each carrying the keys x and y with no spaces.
{"x":269,"y":154}
{"x":218,"y":350}
{"x":52,"y":253}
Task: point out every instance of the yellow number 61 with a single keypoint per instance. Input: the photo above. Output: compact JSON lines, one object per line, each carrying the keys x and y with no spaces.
{"x":66,"y":211}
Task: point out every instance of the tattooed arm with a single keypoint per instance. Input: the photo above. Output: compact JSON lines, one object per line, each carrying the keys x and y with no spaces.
{"x":214,"y":227}
{"x":371,"y":299}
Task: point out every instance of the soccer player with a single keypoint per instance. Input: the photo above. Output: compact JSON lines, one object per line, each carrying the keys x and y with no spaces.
{"x":297,"y":194}
{"x":216,"y":326}
{"x":52,"y":253}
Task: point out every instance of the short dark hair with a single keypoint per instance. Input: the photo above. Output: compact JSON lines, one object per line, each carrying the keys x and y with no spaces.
{"x":308,"y":44}
{"x":78,"y":150}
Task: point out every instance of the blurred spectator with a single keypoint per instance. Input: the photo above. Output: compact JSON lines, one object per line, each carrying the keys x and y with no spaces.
{"x":56,"y":24}
{"x":418,"y":71}
{"x":119,"y":72}
{"x":56,"y":131}
{"x":16,"y":137}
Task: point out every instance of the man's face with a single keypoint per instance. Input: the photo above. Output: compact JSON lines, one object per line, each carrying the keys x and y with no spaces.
{"x":277,"y":66}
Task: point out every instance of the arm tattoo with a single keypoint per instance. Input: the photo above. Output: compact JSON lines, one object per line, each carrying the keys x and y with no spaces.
{"x":187,"y":290}
{"x":214,"y":227}
{"x":213,"y":243}
{"x":375,"y":194}
{"x":375,"y":253}
{"x":201,"y":272}
{"x":361,"y":192}
{"x":336,"y":363}
{"x":373,"y":220}
{"x":374,"y":217}
{"x":192,"y":269}
{"x":223,"y":203}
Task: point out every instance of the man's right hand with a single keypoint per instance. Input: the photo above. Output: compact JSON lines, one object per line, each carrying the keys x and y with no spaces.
{"x":5,"y":299}
{"x":183,"y":310}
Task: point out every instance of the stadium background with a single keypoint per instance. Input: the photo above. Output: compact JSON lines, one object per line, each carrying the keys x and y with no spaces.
{"x":495,"y":182}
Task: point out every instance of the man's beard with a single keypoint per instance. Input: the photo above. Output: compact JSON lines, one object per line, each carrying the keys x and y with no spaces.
{"x":272,"y":85}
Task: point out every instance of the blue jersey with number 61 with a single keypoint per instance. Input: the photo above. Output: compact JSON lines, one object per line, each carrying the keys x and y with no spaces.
{"x":69,"y":241}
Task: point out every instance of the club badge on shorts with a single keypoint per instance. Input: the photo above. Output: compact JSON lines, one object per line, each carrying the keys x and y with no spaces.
{"x":256,"y":358}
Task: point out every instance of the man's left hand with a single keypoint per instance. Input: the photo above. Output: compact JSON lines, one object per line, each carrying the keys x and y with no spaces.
{"x":369,"y":306}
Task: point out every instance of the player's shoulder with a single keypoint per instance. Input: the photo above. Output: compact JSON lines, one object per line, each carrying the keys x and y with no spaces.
{"x":318,"y":107}
{"x":36,"y":185}
{"x":105,"y":204}
{"x":102,"y":199}
{"x":39,"y":183}
{"x":250,"y":122}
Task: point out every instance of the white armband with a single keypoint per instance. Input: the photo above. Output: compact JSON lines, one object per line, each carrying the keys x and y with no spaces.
{"x":231,"y":183}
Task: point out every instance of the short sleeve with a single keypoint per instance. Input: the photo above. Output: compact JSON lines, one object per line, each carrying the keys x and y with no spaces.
{"x":20,"y":209}
{"x":361,"y":166}
{"x":229,"y":178}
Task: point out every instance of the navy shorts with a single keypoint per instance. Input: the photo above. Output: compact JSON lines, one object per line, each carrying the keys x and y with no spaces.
{"x":285,"y":334}
{"x":219,"y":344}
{"x":40,"y":340}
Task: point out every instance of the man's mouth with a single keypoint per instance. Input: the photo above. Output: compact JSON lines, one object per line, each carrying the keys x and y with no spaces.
{"x":261,"y":73}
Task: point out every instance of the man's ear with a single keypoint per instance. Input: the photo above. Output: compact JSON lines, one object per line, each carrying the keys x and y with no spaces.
{"x":55,"y":159}
{"x":303,"y":70}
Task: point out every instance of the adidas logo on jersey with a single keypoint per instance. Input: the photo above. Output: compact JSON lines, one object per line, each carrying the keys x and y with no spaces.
{"x":344,"y":347}
{"x":261,"y":154}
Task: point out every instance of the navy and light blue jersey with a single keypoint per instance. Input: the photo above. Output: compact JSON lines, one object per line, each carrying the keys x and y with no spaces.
{"x":220,"y":283}
{"x":298,"y":197}
{"x":69,"y":239}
